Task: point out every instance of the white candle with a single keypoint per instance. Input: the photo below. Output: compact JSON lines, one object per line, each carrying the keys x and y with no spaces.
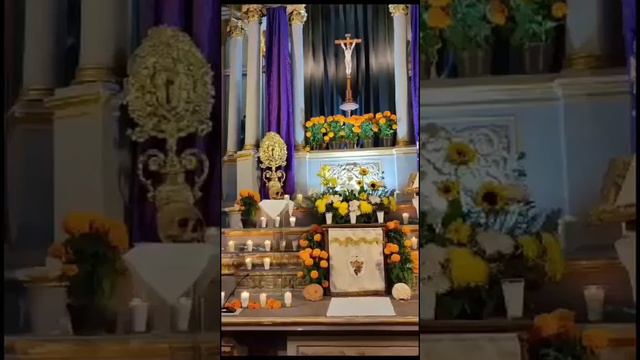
{"x":222,"y":298}
{"x":594,"y":297}
{"x":414,"y":243}
{"x":231,"y":246}
{"x":249,"y":263}
{"x":263,"y":300}
{"x":294,"y":244}
{"x":276,"y":221}
{"x":266,"y":262}
{"x":287,"y":197}
{"x":299,"y":198}
{"x":287,"y":299}
{"x":263,"y":222}
{"x":283,"y":244}
{"x":405,"y":218}
{"x":249,"y":245}
{"x":244,"y":299}
{"x":267,"y":245}
{"x":292,"y":221}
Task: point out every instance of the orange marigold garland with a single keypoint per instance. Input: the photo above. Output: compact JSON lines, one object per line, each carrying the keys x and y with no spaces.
{"x":397,"y":250}
{"x":314,"y":258}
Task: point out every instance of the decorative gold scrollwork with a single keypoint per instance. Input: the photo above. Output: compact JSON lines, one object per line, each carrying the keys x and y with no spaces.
{"x":273,"y":154}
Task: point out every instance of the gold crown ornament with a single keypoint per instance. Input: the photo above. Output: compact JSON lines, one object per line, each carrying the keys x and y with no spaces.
{"x":169,"y":94}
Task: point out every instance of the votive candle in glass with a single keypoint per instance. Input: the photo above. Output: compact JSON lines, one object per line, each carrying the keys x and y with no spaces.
{"x":263,"y":222}
{"x":405,"y":218}
{"x":414,"y":243}
{"x":244,"y":299}
{"x":249,"y":245}
{"x":266,"y":262}
{"x":292,"y":221}
{"x":222,"y":298}
{"x":276,"y":221}
{"x":287,"y":299}
{"x":594,"y":297}
{"x":267,"y":245}
{"x":263,"y":300}
{"x":231,"y":246}
{"x":249,"y":263}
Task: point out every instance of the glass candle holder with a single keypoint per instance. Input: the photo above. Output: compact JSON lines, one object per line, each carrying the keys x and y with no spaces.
{"x":594,"y":299}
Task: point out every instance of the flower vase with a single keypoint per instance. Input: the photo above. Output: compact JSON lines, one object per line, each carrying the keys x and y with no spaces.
{"x":328,"y":217}
{"x":353,"y":217}
{"x":91,"y":319}
{"x":366,"y":143}
{"x":386,"y":142}
{"x":380,"y":215}
{"x":474,"y":62}
{"x":513,"y":294}
{"x":248,"y":222}
{"x":537,"y":58}
{"x":428,"y":303}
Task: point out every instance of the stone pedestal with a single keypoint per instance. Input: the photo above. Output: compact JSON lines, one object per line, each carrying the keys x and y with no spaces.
{"x":87,"y":159}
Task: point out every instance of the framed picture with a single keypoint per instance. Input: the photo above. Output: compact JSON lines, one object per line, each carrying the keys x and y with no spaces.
{"x":356,"y":260}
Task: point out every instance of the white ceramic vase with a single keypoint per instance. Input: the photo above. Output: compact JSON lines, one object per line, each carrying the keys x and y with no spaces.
{"x":328,"y":217}
{"x":353,"y":217}
{"x":513,"y":293}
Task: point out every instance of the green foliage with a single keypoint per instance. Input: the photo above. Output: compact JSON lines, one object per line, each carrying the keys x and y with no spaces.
{"x":533,"y":22}
{"x":470,"y":29}
{"x":98,"y":269}
{"x":367,"y":132}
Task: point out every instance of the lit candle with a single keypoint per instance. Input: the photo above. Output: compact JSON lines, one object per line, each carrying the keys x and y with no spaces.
{"x":276,"y":221}
{"x":249,"y":245}
{"x":414,"y":243}
{"x":287,"y":197}
{"x":263,"y":222}
{"x":244,"y":299}
{"x":287,"y":299}
{"x":292,"y":221}
{"x":222,"y":298}
{"x":405,"y":218}
{"x":294,"y":244}
{"x":283,"y":244}
{"x":263,"y":300}
{"x":267,"y":245}
{"x":249,"y":263}
{"x":231,"y":246}
{"x":266,"y":262}
{"x":299,"y":198}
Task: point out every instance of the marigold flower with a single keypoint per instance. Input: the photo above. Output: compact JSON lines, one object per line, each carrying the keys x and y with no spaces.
{"x":324,"y":264}
{"x":559,"y":10}
{"x":314,"y":274}
{"x":395,"y":258}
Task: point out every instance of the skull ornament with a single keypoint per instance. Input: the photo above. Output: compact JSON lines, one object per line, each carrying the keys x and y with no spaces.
{"x":180,"y":223}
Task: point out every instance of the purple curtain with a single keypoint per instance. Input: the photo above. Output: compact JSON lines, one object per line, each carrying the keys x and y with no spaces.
{"x":629,"y":11}
{"x":279,"y":89}
{"x":201,"y":19}
{"x":415,"y":69}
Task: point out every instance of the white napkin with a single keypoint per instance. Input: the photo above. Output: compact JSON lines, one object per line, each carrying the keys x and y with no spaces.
{"x":361,"y":306}
{"x":170,"y":269}
{"x":274,"y":208}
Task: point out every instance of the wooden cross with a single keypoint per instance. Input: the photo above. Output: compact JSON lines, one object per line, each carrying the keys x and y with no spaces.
{"x":347,"y":45}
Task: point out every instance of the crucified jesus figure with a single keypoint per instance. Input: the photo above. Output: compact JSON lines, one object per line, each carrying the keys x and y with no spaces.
{"x":348,"y":45}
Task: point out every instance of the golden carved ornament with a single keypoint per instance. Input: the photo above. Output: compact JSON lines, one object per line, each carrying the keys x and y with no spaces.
{"x":169,"y":94}
{"x":235,"y":28}
{"x":607,"y":211}
{"x":297,"y":14}
{"x":273,"y":154}
{"x":253,"y":12}
{"x":398,"y":10}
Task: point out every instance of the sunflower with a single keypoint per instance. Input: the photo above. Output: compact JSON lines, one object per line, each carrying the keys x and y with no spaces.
{"x":460,"y":153}
{"x":449,"y":189}
{"x":364,"y":171}
{"x":491,"y":196}
{"x":359,"y":183}
{"x":374,"y":185}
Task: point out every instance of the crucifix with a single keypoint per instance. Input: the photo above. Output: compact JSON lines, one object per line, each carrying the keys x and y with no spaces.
{"x":348,"y":44}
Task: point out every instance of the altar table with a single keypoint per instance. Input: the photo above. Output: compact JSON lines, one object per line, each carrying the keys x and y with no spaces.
{"x":304,"y":329}
{"x":204,"y":346}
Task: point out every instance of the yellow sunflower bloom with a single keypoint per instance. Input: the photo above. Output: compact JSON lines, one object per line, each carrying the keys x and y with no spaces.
{"x":491,"y":196}
{"x":363,"y":171}
{"x":449,"y":189}
{"x":365,"y":207}
{"x":460,"y":153}
{"x":459,"y":232}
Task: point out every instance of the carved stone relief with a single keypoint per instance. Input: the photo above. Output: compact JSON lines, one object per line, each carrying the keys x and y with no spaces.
{"x":347,"y":173}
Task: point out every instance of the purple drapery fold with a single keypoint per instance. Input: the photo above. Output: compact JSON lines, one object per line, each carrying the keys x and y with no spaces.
{"x":201,"y":20}
{"x":415,"y":69}
{"x":629,"y":13}
{"x":279,"y":89}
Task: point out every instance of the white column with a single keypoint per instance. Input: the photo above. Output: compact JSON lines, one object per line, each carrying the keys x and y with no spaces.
{"x":399,"y":13}
{"x":235,"y":30}
{"x":102,"y":39}
{"x":41,"y":46}
{"x":590,"y":28}
{"x":254,"y":14}
{"x":297,"y":17}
